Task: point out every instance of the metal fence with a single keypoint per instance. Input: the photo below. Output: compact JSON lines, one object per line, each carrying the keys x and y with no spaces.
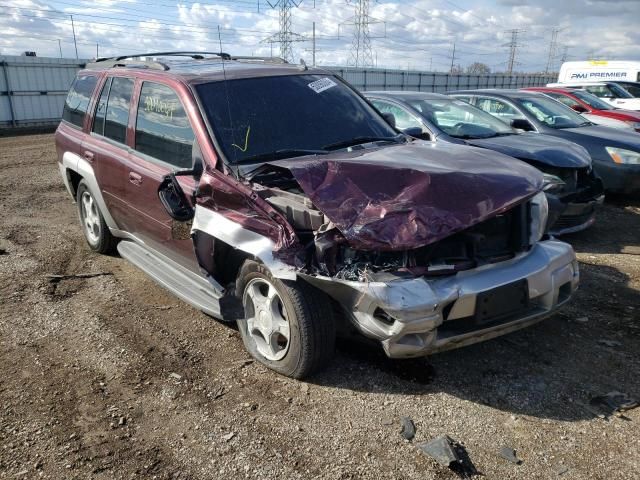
{"x":33,"y":89}
{"x":375,"y":79}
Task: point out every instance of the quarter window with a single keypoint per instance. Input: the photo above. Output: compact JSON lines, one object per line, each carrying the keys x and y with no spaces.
{"x":77,"y":103}
{"x":163,"y":130}
{"x":117,"y":117}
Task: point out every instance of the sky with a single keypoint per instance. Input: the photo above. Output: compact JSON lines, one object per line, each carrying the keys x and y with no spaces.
{"x":407,"y":34}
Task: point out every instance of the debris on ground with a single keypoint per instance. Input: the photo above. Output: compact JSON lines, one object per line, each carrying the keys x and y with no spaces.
{"x":451,"y":454}
{"x":227,"y":437}
{"x":408,"y":430}
{"x":561,"y":469}
{"x":612,"y":403}
{"x":54,"y":278}
{"x":175,"y":376}
{"x":509,"y":454}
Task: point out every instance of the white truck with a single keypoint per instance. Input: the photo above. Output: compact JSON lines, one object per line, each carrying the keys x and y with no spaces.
{"x":599,"y":71}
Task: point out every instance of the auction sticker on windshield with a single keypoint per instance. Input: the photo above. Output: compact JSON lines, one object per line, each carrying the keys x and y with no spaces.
{"x":322,"y":85}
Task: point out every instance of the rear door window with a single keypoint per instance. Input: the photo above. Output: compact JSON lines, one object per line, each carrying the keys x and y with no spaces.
{"x":77,"y":102}
{"x":568,"y":101}
{"x":118,"y":103}
{"x":101,"y":109}
{"x":163,"y":130}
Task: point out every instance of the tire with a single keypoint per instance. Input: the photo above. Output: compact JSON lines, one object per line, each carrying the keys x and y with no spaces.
{"x":307,"y":311}
{"x":95,"y":230}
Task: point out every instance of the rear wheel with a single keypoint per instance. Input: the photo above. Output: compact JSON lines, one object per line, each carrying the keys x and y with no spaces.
{"x":94,"y":227}
{"x":288,"y":326}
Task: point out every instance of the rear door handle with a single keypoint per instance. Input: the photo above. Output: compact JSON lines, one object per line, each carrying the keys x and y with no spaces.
{"x":88,"y":155}
{"x":135,"y":178}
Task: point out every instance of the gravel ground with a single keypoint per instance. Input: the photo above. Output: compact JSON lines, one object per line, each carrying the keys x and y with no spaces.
{"x":112,"y":377}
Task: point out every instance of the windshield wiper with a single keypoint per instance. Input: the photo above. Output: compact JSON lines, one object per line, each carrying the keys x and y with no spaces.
{"x":360,"y":140}
{"x":280,"y":154}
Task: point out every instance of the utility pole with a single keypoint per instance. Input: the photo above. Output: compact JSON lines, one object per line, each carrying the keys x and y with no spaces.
{"x":513,"y":48}
{"x":553,"y":45}
{"x":73,"y":29}
{"x":285,"y":37}
{"x":361,"y":52}
{"x":60,"y":47}
{"x":97,"y":51}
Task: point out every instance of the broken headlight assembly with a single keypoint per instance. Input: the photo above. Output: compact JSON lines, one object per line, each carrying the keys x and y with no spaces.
{"x":553,"y":183}
{"x":539,"y":216}
{"x":624,"y":157}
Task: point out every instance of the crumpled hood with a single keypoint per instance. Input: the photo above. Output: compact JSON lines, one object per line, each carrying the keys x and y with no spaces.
{"x":614,"y":137}
{"x":537,"y":147}
{"x":406,"y":196}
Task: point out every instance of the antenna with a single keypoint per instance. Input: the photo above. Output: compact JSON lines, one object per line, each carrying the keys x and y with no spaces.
{"x":285,"y":37}
{"x":226,"y":89}
{"x":513,"y":48}
{"x":361,"y":53}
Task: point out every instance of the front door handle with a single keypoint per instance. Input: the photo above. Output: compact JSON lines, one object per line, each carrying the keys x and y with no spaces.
{"x":135,"y":178}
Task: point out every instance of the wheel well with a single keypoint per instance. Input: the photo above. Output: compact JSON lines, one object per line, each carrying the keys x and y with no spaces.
{"x":74,"y":181}
{"x":227,"y":261}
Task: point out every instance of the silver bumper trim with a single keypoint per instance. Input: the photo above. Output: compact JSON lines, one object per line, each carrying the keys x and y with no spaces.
{"x":421,"y":314}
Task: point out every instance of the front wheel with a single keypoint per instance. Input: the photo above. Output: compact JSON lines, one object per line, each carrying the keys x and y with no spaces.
{"x":94,"y":227}
{"x":288,"y":326}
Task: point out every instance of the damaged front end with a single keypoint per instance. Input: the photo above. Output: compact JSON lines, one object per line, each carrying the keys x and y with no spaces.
{"x":421,"y":257}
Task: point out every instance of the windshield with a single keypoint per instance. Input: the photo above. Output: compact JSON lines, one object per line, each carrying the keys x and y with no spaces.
{"x":287,"y":115}
{"x":592,"y":100}
{"x":553,"y":114}
{"x":459,"y":119}
{"x":632,"y":88}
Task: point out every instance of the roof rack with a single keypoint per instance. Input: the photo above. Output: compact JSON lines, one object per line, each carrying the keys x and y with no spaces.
{"x":134,"y":60}
{"x":258,"y":59}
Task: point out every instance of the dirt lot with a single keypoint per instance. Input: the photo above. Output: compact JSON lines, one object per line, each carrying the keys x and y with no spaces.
{"x":112,"y":377}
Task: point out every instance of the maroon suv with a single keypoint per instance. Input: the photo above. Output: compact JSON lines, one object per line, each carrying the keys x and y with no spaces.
{"x":276,"y":196}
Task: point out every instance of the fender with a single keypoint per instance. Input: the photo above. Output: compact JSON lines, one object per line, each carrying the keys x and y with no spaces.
{"x":75,"y":163}
{"x":235,"y":235}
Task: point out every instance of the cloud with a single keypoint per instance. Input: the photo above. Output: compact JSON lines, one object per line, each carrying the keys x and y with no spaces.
{"x":414,"y":33}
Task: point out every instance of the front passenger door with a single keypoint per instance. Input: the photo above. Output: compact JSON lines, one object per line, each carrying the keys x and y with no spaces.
{"x":163,"y":143}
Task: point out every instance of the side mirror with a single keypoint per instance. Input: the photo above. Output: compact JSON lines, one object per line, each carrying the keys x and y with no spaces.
{"x":170,"y":192}
{"x":390,"y":118}
{"x":579,"y":108}
{"x":521,"y":124}
{"x":417,"y":132}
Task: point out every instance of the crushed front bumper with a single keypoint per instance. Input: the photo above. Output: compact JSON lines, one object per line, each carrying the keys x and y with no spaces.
{"x":414,"y":317}
{"x":577,"y":216}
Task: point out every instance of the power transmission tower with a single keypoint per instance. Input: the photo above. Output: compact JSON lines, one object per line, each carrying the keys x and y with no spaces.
{"x":565,"y":51}
{"x":453,"y":57}
{"x":513,"y":48}
{"x":361,"y":53}
{"x":553,"y":45}
{"x":285,"y":37}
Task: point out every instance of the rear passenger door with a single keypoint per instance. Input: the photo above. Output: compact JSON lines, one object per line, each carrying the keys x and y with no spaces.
{"x":163,"y":142}
{"x":107,"y":143}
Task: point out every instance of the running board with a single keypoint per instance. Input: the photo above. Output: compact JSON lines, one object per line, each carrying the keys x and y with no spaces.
{"x":188,"y":286}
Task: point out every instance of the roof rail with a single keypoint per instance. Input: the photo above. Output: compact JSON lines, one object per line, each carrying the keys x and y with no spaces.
{"x":194,"y":55}
{"x":258,"y":59}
